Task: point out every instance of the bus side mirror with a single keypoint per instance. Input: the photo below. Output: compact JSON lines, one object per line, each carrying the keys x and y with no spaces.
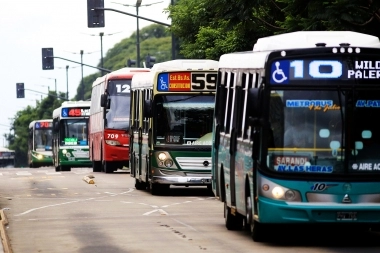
{"x":103,"y":100}
{"x":55,"y":126}
{"x":254,"y":102}
{"x":31,"y":134}
{"x":148,"y":108}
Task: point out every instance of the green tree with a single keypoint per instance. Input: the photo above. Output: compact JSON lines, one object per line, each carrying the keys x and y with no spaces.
{"x":208,"y":29}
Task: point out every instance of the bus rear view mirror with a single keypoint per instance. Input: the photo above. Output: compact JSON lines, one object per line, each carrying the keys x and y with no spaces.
{"x":55,"y":126}
{"x":148,"y":108}
{"x":254,"y":103}
{"x":103,"y":100}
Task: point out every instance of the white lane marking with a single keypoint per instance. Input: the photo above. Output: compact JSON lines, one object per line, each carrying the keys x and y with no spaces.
{"x":162,"y":212}
{"x":65,"y":203}
{"x":23,"y":173}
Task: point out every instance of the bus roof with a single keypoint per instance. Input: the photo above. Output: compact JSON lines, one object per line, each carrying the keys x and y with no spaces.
{"x":309,"y":39}
{"x":143,"y":80}
{"x":256,"y":58}
{"x":185,"y":64}
{"x":123,"y":73}
{"x":80,"y":103}
{"x":31,"y":124}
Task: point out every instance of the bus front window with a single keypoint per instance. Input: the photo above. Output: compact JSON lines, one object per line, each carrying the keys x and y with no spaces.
{"x":184,"y":119}
{"x":118,"y":114}
{"x":43,"y":139}
{"x":307,"y":132}
{"x":74,"y":132}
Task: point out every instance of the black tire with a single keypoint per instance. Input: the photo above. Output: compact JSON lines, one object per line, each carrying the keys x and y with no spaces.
{"x":108,"y":167}
{"x":233,"y":222}
{"x":65,"y":168}
{"x":248,"y":214}
{"x":139,"y":185}
{"x":96,"y":166}
{"x":58,"y":168}
{"x":258,"y":232}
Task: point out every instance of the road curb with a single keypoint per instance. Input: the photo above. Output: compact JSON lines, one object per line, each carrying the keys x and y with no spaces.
{"x":3,"y":234}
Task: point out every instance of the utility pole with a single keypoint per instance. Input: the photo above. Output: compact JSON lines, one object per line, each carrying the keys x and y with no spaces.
{"x":81,"y":64}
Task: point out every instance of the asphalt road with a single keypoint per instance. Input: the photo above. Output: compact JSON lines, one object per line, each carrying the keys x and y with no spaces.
{"x":50,"y":211}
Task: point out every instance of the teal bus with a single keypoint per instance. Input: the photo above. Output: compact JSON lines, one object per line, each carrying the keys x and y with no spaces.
{"x":172,"y":108}
{"x":70,"y":135}
{"x":39,"y":143}
{"x":295,"y":140}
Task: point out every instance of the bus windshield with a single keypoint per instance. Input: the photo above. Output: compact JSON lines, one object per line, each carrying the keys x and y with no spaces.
{"x":119,"y":94}
{"x":43,"y":139}
{"x":74,"y":132}
{"x":308,"y":131}
{"x":184,"y":119}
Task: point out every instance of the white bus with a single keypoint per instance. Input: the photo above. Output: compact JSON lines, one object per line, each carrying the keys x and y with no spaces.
{"x":70,"y":135}
{"x":40,"y":143}
{"x":171,"y":124}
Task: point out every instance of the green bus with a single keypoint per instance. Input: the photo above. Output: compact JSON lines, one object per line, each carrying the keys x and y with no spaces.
{"x":171,"y":123}
{"x":70,"y":135}
{"x":39,"y":143}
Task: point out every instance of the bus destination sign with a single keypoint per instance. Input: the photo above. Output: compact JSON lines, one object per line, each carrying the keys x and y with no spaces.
{"x":43,"y":125}
{"x":187,"y":81}
{"x":75,"y":112}
{"x":292,"y":71}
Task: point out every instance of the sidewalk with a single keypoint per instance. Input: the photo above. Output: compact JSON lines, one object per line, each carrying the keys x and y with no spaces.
{"x":4,"y":245}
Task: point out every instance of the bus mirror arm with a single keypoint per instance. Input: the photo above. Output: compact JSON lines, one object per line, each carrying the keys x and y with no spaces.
{"x":148,"y":108}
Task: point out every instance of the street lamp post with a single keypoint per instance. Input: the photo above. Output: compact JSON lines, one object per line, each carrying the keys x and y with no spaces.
{"x":67,"y":82}
{"x":101,"y":49}
{"x":81,"y":63}
{"x":137,"y":5}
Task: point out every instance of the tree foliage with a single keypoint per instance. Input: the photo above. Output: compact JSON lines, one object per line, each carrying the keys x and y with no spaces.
{"x":208,"y":29}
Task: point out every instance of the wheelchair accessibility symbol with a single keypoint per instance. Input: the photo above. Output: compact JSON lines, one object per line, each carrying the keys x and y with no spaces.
{"x":280,"y":72}
{"x":163,"y":81}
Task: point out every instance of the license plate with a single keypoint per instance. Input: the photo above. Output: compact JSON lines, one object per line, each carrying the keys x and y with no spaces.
{"x":346,"y":216}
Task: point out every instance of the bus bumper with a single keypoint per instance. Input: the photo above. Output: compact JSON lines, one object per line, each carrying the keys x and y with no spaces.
{"x":194,"y":180}
{"x":271,"y":211}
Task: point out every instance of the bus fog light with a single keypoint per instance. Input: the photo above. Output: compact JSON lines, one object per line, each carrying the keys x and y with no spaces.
{"x":64,"y":151}
{"x":162,"y":156}
{"x":40,"y":157}
{"x":169,"y":163}
{"x":68,"y":155}
{"x":265,"y":187}
{"x":290,"y":195}
{"x":278,"y":192}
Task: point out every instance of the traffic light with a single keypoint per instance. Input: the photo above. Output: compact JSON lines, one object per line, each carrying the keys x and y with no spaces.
{"x":95,"y":18}
{"x":149,"y":61}
{"x":20,"y":91}
{"x":47,"y":58}
{"x":131,"y":63}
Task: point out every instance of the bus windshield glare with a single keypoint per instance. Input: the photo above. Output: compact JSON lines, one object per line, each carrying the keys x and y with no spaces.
{"x":322,"y":131}
{"x":184,"y":119}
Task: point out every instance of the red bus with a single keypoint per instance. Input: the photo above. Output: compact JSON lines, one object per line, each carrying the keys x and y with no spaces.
{"x":109,"y":120}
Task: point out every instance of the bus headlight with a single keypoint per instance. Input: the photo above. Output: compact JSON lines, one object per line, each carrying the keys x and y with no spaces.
{"x":113,"y":142}
{"x":64,"y":151}
{"x":161,"y":156}
{"x":40,"y":157}
{"x":68,"y":155}
{"x":169,"y":163}
{"x":272,"y":190}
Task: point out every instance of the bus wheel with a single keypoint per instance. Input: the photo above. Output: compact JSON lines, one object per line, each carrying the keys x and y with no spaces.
{"x":58,"y":168}
{"x":140,"y":185}
{"x":233,"y":222}
{"x":108,"y":168}
{"x":96,"y":166}
{"x":248,"y":214}
{"x":258,"y":232}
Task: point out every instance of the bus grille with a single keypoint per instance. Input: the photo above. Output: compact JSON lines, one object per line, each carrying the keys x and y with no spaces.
{"x":194,"y":163}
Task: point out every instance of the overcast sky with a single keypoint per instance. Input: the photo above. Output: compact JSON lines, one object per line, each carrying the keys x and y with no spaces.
{"x":27,"y":26}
